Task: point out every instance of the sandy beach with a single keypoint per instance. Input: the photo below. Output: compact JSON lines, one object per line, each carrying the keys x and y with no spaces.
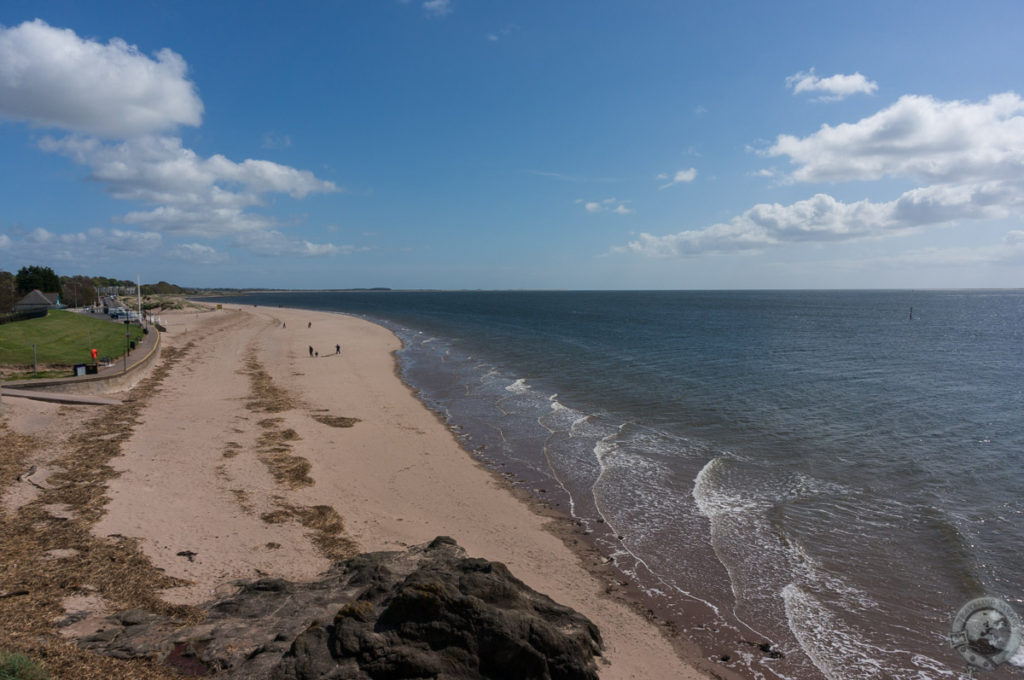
{"x":254,"y":458}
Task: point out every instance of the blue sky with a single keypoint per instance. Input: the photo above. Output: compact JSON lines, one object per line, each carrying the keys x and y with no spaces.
{"x":488,"y":144}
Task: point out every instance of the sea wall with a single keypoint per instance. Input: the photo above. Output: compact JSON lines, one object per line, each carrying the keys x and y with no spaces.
{"x":110,"y":381}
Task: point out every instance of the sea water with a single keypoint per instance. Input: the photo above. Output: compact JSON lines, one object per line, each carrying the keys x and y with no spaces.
{"x":809,"y":484}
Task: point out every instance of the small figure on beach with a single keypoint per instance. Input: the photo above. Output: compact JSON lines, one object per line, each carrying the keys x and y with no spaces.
{"x":337,"y":349}
{"x":317,"y":355}
{"x":311,"y":350}
{"x":309,"y":324}
{"x":284,"y":325}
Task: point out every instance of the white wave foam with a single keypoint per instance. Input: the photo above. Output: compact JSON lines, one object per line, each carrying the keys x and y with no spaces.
{"x":842,"y":653}
{"x":837,"y":651}
{"x":518,"y":387}
{"x":711,"y":498}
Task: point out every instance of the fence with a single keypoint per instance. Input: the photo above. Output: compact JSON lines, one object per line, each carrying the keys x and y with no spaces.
{"x":22,"y":316}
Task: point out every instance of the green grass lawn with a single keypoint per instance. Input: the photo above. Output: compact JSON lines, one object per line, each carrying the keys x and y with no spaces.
{"x":62,"y":338}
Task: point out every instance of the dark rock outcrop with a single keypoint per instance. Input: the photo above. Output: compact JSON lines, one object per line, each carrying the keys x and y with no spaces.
{"x":428,"y":612}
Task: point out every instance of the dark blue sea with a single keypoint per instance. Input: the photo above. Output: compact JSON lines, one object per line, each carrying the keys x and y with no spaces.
{"x":831,"y":473}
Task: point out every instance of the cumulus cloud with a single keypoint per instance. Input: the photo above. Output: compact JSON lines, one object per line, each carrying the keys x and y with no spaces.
{"x":818,"y":219}
{"x":49,"y":77}
{"x":5,"y":241}
{"x":823,"y":219}
{"x":967,"y":156}
{"x":917,"y":137}
{"x":158,"y":169}
{"x":680,"y":177}
{"x":191,"y":195}
{"x":835,"y":87}
{"x":121,"y":108}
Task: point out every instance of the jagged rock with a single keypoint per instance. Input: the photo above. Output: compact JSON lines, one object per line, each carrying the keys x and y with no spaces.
{"x":428,"y":612}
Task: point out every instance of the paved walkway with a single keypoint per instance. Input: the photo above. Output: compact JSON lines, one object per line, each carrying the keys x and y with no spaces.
{"x":58,"y":398}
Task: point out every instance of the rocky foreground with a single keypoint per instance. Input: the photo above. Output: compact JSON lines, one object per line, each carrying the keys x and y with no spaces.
{"x":428,"y":612}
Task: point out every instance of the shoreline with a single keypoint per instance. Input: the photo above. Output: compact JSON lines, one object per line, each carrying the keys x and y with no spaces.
{"x":264,"y":444}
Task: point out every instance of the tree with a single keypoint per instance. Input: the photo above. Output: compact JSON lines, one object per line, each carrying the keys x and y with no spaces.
{"x":36,"y":277}
{"x":8,"y":292}
{"x":162,"y":288}
{"x":78,"y":290}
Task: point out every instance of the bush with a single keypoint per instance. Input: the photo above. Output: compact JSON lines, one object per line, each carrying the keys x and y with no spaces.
{"x":20,"y":667}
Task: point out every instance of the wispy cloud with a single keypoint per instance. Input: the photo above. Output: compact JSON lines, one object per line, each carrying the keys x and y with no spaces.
{"x":835,"y":87}
{"x":94,"y":245}
{"x":502,"y":33}
{"x":272,"y":140}
{"x":438,"y":8}
{"x":572,"y":178}
{"x":196,"y":252}
{"x":612,"y":205}
{"x":680,"y":177}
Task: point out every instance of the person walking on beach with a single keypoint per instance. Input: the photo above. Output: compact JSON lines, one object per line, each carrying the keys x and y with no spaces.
{"x":311,"y":350}
{"x":337,"y":349}
{"x":309,"y":324}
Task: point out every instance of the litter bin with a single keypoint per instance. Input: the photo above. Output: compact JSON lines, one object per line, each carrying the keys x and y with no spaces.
{"x":132,"y":344}
{"x":91,"y":369}
{"x":79,"y":369}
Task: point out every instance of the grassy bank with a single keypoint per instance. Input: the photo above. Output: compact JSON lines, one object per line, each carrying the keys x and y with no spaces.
{"x":62,"y":338}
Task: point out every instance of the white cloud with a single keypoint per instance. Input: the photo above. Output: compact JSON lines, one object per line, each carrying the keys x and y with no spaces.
{"x":274,"y":243}
{"x":819,"y":219}
{"x":917,"y":137}
{"x":275,"y":141}
{"x":196,"y":252}
{"x":823,"y":219}
{"x":194,"y":196}
{"x":158,"y":169}
{"x":93,"y":245}
{"x":203,"y":221}
{"x":680,"y":177}
{"x":5,"y":241}
{"x":836,"y":87}
{"x":968,"y":155}
{"x":608,"y":204}
{"x":438,"y":8}
{"x":504,"y":32}
{"x":50,"y":77}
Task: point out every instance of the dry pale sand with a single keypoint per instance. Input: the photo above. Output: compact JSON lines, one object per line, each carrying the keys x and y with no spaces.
{"x":197,"y":488}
